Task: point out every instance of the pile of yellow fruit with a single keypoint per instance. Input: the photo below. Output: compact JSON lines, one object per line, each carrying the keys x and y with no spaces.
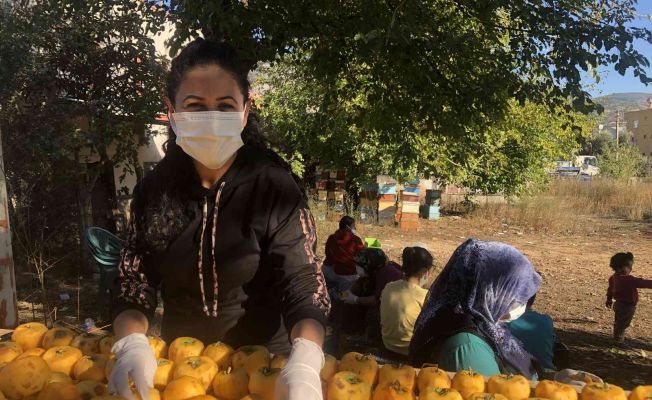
{"x":56,"y":364}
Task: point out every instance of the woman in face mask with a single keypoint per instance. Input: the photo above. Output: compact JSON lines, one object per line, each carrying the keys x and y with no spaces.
{"x":341,"y":248}
{"x":463,"y":324}
{"x":401,"y":302}
{"x":223,"y":230}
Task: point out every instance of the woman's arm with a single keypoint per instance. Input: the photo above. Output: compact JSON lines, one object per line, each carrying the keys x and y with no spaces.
{"x":128,"y":322}
{"x":292,"y":241}
{"x":135,"y":293}
{"x":292,"y":252}
{"x":309,"y":329}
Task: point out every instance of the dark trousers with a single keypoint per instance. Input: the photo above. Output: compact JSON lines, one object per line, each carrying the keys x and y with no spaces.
{"x":624,"y":313}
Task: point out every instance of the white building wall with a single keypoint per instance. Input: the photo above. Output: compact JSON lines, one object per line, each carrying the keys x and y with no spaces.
{"x":151,"y":153}
{"x":148,"y":156}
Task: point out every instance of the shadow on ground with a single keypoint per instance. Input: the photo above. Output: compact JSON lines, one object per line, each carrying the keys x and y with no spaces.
{"x":627,"y":366}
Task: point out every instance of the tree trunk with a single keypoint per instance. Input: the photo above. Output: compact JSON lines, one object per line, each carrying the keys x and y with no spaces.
{"x":85,"y":221}
{"x":44,"y":295}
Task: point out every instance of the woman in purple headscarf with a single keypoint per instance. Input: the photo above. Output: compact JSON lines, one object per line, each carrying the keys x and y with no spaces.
{"x":462,"y":325}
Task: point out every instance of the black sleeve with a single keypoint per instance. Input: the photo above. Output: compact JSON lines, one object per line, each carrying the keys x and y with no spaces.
{"x":292,"y":245}
{"x":136,"y":283}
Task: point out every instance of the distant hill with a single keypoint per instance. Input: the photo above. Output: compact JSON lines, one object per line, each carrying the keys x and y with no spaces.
{"x":621,"y":102}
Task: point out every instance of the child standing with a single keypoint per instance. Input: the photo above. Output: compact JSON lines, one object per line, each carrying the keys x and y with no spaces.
{"x":624,"y":289}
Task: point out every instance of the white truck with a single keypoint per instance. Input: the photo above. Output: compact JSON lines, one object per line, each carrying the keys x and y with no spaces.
{"x":588,"y":165}
{"x":583,"y":168}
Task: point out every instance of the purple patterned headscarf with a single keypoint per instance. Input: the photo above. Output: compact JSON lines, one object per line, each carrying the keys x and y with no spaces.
{"x":482,"y":282}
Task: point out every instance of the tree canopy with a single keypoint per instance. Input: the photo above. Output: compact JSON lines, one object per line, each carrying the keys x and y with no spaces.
{"x":422,"y":76}
{"x":445,"y":56}
{"x":504,"y":157}
{"x":78,"y":83}
{"x":622,"y":161}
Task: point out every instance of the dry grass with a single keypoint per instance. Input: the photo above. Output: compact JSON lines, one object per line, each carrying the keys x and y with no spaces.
{"x":565,"y":206}
{"x":629,"y":200}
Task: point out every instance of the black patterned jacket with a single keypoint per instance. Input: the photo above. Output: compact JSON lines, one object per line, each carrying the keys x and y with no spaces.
{"x":234,"y":263}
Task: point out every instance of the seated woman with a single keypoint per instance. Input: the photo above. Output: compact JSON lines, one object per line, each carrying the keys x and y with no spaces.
{"x":463,"y":324}
{"x":363,"y":298}
{"x":537,"y":333}
{"x":341,"y":248}
{"x":402,"y":300}
{"x":375,"y":272}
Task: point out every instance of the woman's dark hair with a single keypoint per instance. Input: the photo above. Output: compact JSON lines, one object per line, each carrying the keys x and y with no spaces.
{"x":346,"y":222}
{"x":416,"y":260}
{"x":371,"y":260}
{"x":620,"y":260}
{"x":202,"y":52}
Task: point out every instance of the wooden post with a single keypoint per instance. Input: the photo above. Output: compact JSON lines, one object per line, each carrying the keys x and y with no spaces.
{"x":8,"y":303}
{"x":617,"y":128}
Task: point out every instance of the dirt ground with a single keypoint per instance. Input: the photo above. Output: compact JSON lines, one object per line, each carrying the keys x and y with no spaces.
{"x":576,"y":272}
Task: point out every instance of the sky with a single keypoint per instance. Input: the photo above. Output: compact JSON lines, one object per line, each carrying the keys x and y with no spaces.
{"x":612,"y":81}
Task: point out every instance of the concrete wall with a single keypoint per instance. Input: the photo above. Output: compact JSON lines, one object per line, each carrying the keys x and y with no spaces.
{"x":640,"y":124}
{"x":148,"y":157}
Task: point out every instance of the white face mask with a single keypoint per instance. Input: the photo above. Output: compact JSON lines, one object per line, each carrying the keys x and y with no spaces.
{"x":515,"y":314}
{"x":424,"y":281}
{"x":210,"y":137}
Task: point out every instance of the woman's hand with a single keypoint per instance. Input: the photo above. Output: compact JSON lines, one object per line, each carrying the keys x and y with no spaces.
{"x":135,"y":360}
{"x":349,"y":298}
{"x":300,"y":379}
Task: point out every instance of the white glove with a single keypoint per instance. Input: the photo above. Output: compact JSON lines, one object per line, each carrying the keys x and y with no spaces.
{"x":300,"y":380}
{"x":577,"y":378}
{"x":349,"y":298}
{"x":135,"y":360}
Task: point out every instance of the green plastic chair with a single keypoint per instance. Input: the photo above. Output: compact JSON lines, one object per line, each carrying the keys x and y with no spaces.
{"x":105,"y":247}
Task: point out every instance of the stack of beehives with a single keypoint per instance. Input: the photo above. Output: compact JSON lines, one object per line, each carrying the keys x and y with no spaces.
{"x":430,"y":210}
{"x":409,"y":219}
{"x":387,"y":198}
{"x":331,"y":185}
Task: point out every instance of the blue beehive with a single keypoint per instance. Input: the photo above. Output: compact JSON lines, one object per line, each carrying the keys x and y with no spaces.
{"x":387,"y":189}
{"x":430,"y":212}
{"x":411,"y":191}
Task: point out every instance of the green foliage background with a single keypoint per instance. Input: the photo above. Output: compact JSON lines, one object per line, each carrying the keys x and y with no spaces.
{"x":506,"y":156}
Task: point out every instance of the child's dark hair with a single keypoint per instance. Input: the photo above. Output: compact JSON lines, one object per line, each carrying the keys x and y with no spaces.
{"x":202,"y":52}
{"x":620,"y":260}
{"x":416,"y":260}
{"x":346,"y":222}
